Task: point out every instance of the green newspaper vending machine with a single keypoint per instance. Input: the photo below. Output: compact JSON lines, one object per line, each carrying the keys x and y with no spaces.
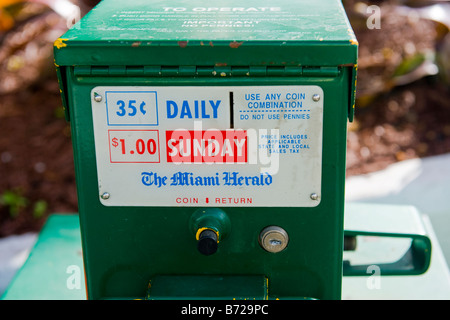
{"x":210,"y":143}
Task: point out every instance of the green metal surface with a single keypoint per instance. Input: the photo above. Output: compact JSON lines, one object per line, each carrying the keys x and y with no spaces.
{"x":125,"y":247}
{"x":44,"y":275}
{"x":208,"y":287}
{"x":54,"y":268}
{"x":216,"y":32}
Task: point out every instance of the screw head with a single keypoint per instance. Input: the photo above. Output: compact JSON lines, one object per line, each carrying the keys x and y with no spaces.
{"x":316,"y":97}
{"x":105,"y":196}
{"x":314,"y":196}
{"x":97,"y":97}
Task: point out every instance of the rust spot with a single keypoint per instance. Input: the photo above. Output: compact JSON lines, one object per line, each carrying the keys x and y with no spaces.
{"x":220,"y":64}
{"x":211,"y":44}
{"x":236,"y":44}
{"x":183,"y":44}
{"x":136,"y":44}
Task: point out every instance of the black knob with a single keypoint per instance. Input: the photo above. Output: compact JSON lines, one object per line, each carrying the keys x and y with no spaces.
{"x":207,"y":242}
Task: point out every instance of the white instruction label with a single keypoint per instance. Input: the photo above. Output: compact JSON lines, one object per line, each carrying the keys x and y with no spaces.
{"x":209,"y":146}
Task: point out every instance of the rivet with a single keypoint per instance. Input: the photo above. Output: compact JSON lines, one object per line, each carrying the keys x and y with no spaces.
{"x":97,"y":97}
{"x":105,"y":196}
{"x":314,"y":196}
{"x":316,"y":97}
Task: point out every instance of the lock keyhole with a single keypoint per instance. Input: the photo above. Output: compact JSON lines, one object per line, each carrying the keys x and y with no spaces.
{"x":275,"y":242}
{"x":273,"y":239}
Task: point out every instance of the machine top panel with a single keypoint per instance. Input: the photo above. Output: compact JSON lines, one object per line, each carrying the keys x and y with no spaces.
{"x":226,"y":31}
{"x":231,"y":20}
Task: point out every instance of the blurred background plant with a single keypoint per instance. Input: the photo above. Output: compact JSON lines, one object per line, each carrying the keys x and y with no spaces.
{"x":412,"y":43}
{"x":403,"y":96}
{"x":402,"y":107}
{"x":36,"y":169}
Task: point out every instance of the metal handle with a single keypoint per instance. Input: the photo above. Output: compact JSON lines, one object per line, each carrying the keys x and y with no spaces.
{"x":415,"y":261}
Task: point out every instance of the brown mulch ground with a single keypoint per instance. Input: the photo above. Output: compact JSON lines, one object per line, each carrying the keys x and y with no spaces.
{"x":404,"y":122}
{"x":409,"y":122}
{"x":36,"y":159}
{"x":397,"y":122}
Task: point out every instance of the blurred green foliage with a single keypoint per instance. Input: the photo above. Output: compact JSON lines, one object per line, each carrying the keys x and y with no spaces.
{"x":16,"y":202}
